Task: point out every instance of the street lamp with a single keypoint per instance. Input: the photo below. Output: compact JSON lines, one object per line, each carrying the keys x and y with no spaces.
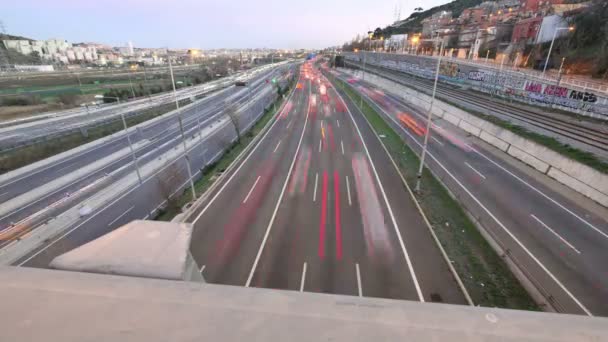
{"x":124,"y":124}
{"x":181,"y":129}
{"x":370,"y":34}
{"x":415,"y":40}
{"x":557,"y":29}
{"x":428,"y":122}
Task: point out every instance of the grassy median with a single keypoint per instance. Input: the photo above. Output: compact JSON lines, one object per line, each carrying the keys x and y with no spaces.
{"x":29,"y":154}
{"x":484,"y":274}
{"x":214,"y":170}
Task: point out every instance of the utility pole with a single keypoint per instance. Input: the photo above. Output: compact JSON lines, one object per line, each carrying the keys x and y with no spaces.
{"x":181,"y":129}
{"x":428,"y":123}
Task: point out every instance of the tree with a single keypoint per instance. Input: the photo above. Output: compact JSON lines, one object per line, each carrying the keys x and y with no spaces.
{"x":168,"y":181}
{"x":233,"y":115}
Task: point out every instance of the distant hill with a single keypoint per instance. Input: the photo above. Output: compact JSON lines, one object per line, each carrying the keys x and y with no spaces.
{"x":12,"y":37}
{"x":414,"y":22}
{"x":13,"y":57}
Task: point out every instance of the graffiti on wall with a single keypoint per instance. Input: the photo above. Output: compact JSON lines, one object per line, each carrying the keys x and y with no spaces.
{"x":503,"y":84}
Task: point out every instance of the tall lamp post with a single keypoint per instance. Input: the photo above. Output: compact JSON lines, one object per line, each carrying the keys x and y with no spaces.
{"x":124,"y":124}
{"x":181,"y":129}
{"x":370,"y":34}
{"x":557,"y":29}
{"x":428,"y":122}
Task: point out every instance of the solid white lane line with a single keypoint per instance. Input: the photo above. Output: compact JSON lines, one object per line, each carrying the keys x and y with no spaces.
{"x":348,"y":191}
{"x":477,"y":172}
{"x":217,"y":194}
{"x":543,"y":195}
{"x":303,"y":280}
{"x":406,"y":255}
{"x":342,"y":146}
{"x":359,"y":280}
{"x":202,"y":269}
{"x":277,"y":147}
{"x":145,"y":217}
{"x":121,"y":215}
{"x":314,"y":192}
{"x":437,"y":140}
{"x":276,"y":208}
{"x":251,"y":190}
{"x":554,"y":233}
{"x":3,"y":193}
{"x":500,"y":224}
{"x":320,"y":143}
{"x":338,"y":123}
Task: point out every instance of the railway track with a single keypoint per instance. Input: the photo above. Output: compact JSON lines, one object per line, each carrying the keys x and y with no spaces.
{"x":593,"y":137}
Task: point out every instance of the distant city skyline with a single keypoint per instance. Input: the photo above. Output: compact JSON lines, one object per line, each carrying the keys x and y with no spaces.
{"x":204,"y":24}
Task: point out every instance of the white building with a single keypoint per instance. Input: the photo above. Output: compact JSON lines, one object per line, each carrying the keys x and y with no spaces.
{"x":548,"y":28}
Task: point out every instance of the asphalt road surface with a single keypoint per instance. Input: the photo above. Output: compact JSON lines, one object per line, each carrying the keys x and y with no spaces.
{"x":158,"y":134}
{"x":317,"y":206}
{"x":558,"y":243}
{"x":143,"y":201}
{"x":50,"y":124}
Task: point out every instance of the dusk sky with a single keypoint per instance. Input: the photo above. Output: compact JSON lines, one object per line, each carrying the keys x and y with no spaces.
{"x":203,"y":24}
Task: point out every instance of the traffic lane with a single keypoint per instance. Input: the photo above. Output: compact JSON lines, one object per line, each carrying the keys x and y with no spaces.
{"x":554,"y":204}
{"x":569,"y":248}
{"x":235,"y":239}
{"x":165,"y":143}
{"x":44,"y":201}
{"x":140,"y":202}
{"x":500,"y":229}
{"x":42,"y":176}
{"x":305,"y":231}
{"x":128,"y":207}
{"x":379,"y":271}
{"x":434,"y":278}
{"x":229,"y":232}
{"x":34,"y":179}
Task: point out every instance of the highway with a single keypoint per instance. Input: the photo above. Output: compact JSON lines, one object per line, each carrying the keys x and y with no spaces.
{"x":317,"y":206}
{"x":554,"y":236}
{"x":155,"y":140}
{"x":580,"y":133}
{"x":32,"y":129}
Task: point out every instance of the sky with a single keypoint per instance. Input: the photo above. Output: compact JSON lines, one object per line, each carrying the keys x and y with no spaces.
{"x":203,"y":23}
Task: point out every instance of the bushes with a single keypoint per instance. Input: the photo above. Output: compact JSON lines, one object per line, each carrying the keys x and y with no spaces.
{"x":21,"y":100}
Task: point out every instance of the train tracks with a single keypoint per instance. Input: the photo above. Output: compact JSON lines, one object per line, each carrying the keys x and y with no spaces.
{"x":589,"y":136}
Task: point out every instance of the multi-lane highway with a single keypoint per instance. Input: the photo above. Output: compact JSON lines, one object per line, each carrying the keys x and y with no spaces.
{"x":317,"y":206}
{"x":33,"y":129}
{"x":558,"y":239}
{"x":155,"y":140}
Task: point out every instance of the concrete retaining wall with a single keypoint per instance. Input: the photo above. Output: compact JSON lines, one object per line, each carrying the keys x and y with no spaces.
{"x":579,"y":177}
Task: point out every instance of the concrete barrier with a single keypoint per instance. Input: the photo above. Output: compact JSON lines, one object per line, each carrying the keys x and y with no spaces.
{"x":52,"y":186}
{"x":579,"y":177}
{"x":72,"y":217}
